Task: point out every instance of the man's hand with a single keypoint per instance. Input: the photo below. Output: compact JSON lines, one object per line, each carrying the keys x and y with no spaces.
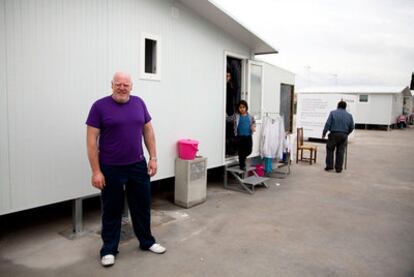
{"x":92,"y":135}
{"x":152,"y":168}
{"x":149,"y":139}
{"x":98,"y":180}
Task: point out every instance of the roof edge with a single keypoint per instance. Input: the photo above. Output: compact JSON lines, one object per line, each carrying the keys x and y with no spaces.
{"x":217,"y":15}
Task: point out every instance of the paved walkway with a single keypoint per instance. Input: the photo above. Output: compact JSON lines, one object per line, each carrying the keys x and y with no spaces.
{"x":316,"y":223}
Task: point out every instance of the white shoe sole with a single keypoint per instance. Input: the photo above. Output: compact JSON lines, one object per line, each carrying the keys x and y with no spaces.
{"x":158,"y":249}
{"x":108,"y":260}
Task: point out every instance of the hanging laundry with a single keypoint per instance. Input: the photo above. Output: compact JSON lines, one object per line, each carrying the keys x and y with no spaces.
{"x":272,"y":141}
{"x":268,"y":165}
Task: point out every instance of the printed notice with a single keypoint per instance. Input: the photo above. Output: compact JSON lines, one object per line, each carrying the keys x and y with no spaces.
{"x":313,"y":111}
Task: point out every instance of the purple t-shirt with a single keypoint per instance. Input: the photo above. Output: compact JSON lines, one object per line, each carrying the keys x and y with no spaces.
{"x":121,"y":129}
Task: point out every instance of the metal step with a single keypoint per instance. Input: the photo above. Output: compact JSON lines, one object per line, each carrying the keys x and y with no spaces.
{"x":254,"y":180}
{"x":236,"y":169}
{"x":245,"y":184}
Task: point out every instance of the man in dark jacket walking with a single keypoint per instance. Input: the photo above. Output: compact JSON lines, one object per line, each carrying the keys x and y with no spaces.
{"x":339,"y":124}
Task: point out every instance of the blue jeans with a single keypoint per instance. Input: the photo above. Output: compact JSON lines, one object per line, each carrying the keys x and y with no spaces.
{"x":137,"y":185}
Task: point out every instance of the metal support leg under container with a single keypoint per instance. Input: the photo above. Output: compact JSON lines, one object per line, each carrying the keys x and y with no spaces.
{"x":77,"y":216}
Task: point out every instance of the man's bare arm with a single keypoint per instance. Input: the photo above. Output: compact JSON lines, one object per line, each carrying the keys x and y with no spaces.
{"x":92,"y":135}
{"x":149,"y":139}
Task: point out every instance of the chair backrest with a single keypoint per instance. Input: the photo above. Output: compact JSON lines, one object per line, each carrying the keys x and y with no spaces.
{"x":299,"y":132}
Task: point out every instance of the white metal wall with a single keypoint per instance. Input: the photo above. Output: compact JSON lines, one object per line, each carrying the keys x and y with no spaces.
{"x":273,"y":77}
{"x":4,"y":126}
{"x":378,"y":110}
{"x":57,"y":57}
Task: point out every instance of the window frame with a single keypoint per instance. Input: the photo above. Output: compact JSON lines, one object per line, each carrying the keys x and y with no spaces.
{"x":145,"y":75}
{"x":363,"y":102}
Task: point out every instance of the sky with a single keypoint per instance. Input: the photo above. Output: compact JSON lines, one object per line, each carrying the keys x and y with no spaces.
{"x":325,"y":42}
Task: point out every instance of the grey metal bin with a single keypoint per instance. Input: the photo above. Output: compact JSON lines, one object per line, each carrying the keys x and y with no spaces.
{"x":190,"y":182}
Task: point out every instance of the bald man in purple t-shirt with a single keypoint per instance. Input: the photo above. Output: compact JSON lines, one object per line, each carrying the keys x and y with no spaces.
{"x":115,"y":127}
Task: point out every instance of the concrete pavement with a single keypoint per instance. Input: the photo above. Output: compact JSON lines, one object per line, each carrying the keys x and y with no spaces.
{"x":316,"y":223}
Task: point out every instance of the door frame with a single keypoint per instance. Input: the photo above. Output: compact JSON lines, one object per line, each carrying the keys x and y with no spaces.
{"x":256,"y":135}
{"x":292,"y":103}
{"x":244,"y":59}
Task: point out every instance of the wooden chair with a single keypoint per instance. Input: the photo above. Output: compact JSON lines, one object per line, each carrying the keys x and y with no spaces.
{"x":300,"y":147}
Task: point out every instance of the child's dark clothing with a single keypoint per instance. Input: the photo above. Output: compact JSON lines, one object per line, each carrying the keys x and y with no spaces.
{"x":243,"y":133}
{"x":245,"y":144}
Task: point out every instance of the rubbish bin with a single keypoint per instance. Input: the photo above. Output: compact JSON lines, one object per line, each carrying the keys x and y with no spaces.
{"x":190,"y":182}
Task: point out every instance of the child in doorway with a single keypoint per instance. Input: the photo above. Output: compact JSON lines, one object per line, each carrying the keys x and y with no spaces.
{"x":244,"y":127}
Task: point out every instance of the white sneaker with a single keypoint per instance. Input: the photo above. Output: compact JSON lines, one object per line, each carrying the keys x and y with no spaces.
{"x":157,"y":248}
{"x":108,"y":260}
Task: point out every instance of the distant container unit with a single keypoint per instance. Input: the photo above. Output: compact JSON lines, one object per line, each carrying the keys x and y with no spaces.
{"x":58,"y":57}
{"x":370,"y":106}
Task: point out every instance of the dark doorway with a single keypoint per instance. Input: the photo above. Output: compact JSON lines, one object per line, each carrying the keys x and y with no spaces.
{"x":233,"y":96}
{"x":286,"y":106}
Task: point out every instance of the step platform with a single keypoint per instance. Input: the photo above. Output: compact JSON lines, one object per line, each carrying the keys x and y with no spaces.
{"x":246,"y":184}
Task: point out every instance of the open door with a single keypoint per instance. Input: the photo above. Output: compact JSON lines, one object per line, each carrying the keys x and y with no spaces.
{"x":254,"y":92}
{"x":254,"y":97}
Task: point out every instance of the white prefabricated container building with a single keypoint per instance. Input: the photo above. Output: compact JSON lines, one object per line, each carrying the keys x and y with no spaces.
{"x":374,"y":105}
{"x":58,"y":57}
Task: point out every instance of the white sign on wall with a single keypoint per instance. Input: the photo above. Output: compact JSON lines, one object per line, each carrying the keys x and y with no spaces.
{"x":313,"y":111}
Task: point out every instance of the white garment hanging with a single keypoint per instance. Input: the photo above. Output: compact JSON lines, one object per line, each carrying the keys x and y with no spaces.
{"x":273,"y":138}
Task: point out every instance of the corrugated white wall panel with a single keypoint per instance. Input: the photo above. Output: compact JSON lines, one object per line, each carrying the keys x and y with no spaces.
{"x":60,"y":58}
{"x":273,"y":78}
{"x":53,"y":62}
{"x":4,"y":124}
{"x":195,"y":87}
{"x":378,"y":110}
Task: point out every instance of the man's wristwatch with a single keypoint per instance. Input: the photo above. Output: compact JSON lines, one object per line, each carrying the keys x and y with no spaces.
{"x":153,"y":159}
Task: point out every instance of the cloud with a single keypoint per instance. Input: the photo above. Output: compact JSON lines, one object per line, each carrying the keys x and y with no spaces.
{"x":362,"y":42}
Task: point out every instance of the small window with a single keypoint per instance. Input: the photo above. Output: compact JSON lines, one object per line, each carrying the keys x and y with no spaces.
{"x":363,"y":98}
{"x":150,"y":56}
{"x":150,"y":60}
